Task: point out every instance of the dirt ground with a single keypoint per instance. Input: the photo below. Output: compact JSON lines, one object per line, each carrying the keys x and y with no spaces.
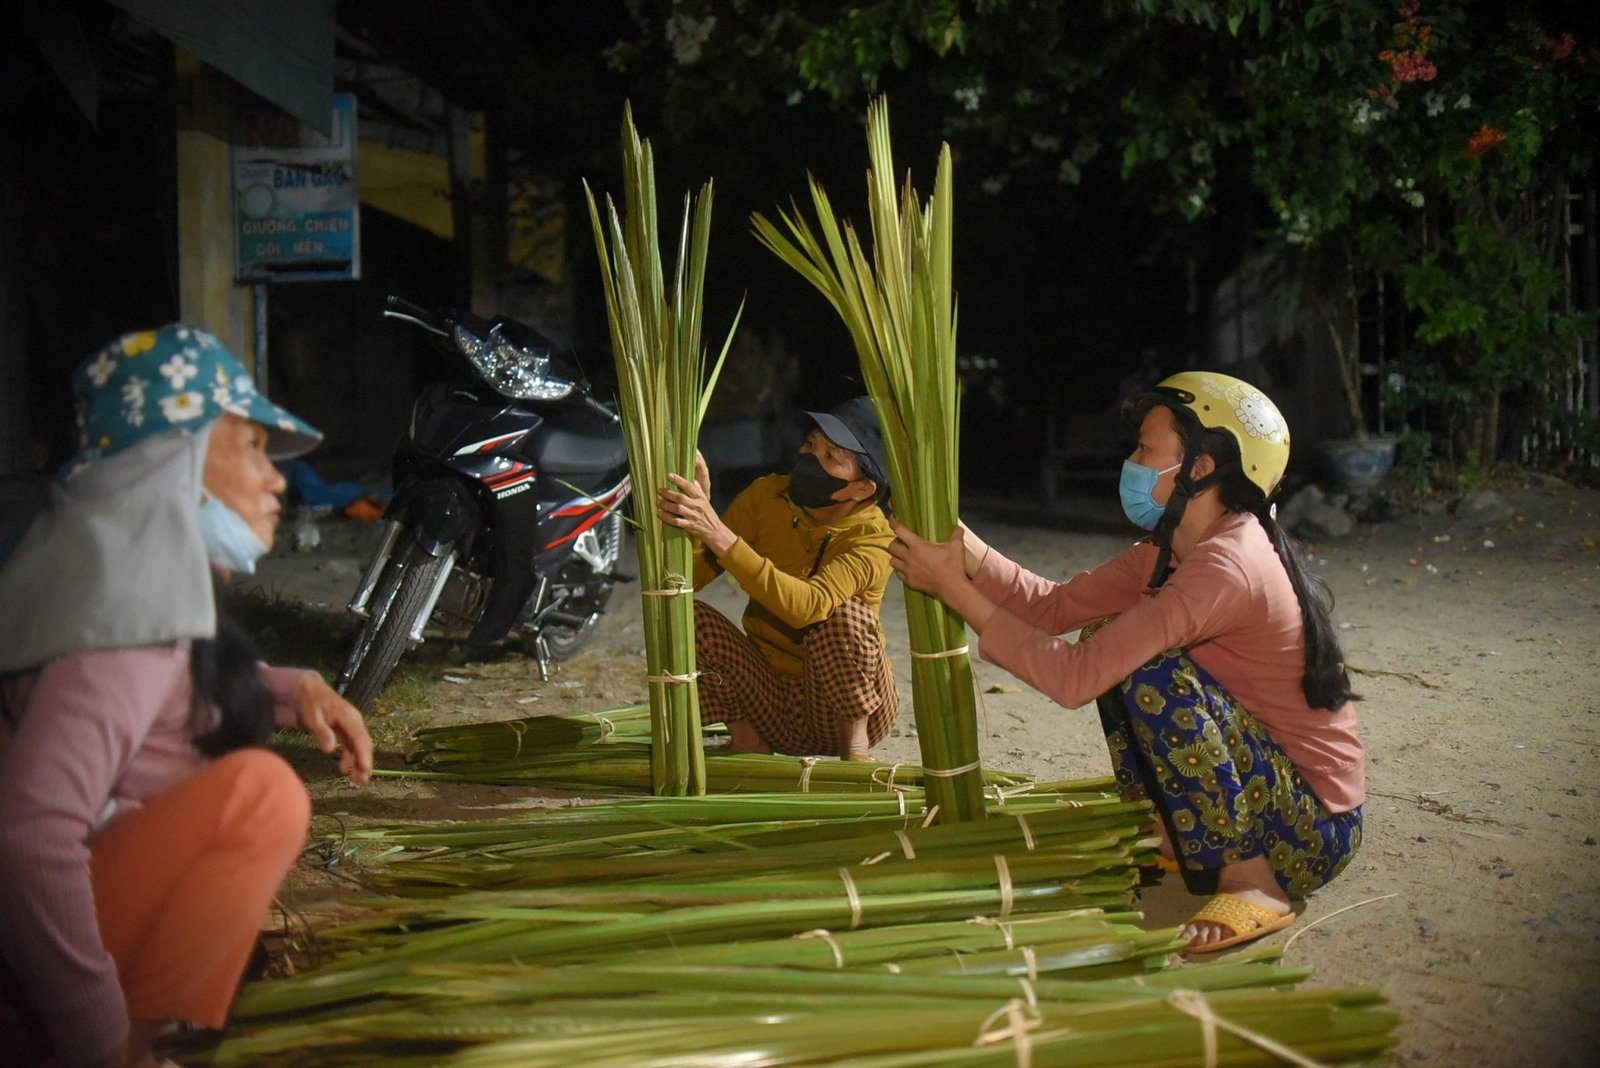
{"x":1474,"y":903}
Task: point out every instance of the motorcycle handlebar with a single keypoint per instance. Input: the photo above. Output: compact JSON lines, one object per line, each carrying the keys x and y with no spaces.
{"x":404,"y":310}
{"x":600,"y":407}
{"x":400,"y":304}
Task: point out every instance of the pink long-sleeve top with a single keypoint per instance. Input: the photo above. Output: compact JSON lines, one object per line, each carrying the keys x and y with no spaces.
{"x":85,"y":738}
{"x":1229,"y":604}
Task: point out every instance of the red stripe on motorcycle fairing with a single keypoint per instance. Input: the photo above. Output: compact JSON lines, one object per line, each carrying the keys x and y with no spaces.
{"x":489,"y":443}
{"x":516,"y":474}
{"x":583,"y":504}
{"x":599,"y":514}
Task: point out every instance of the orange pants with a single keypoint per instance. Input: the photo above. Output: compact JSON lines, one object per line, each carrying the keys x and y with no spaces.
{"x":182,"y":885}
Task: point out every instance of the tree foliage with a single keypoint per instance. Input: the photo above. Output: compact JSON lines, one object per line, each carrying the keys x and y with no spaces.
{"x":1104,"y":149}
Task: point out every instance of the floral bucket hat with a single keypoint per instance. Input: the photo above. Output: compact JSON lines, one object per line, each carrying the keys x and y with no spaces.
{"x":176,"y":378}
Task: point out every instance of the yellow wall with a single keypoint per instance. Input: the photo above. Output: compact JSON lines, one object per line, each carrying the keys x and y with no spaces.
{"x":207,"y":293}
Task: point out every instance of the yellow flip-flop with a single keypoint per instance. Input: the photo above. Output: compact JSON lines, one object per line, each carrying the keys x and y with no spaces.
{"x":1247,"y":920}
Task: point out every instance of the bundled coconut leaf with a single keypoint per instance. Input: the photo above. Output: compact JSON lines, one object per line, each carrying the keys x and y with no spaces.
{"x":783,"y":929}
{"x":1051,"y":842}
{"x":1035,"y":990}
{"x":502,"y":740}
{"x":900,"y":309}
{"x":629,"y":767}
{"x":664,"y":387}
{"x":741,"y":823}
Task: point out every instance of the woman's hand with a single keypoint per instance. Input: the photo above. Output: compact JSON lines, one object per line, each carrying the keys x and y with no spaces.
{"x":702,"y":474}
{"x":930,"y":566}
{"x":687,"y":506}
{"x":336,"y":725}
{"x":940,"y":568}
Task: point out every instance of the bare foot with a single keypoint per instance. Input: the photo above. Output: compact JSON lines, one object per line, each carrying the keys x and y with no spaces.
{"x":856,"y":744}
{"x":1251,"y":880}
{"x":1165,"y":845}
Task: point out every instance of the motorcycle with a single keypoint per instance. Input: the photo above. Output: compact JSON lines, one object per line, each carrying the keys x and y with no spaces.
{"x":505,"y":511}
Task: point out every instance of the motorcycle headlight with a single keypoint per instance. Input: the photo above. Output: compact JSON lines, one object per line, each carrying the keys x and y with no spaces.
{"x":514,"y":371}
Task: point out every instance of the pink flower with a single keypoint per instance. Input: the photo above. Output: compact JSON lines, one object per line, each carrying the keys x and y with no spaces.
{"x":1409,"y":66}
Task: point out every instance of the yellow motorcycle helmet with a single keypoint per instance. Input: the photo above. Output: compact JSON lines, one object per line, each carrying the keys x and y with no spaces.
{"x":1222,"y":402}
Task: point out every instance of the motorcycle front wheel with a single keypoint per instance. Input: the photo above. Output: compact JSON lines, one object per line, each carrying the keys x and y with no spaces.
{"x":400,"y":596}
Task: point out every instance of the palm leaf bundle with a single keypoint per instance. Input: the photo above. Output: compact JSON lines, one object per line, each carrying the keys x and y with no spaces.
{"x":664,"y":388}
{"x":782,"y":929}
{"x":629,"y":767}
{"x":899,"y":307}
{"x":1099,"y":841}
{"x":736,"y":824}
{"x":502,"y":740}
{"x":1063,"y":987}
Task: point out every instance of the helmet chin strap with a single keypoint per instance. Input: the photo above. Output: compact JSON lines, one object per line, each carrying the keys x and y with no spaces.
{"x":1183,"y":488}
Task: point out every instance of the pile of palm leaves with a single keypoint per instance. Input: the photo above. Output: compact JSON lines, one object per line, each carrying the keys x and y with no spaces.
{"x":784,"y":929}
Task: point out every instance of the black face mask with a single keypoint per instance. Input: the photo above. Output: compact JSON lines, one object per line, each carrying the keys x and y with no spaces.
{"x":810,"y":486}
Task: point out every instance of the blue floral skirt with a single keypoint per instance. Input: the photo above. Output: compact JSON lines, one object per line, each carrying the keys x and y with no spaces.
{"x":1226,"y":790}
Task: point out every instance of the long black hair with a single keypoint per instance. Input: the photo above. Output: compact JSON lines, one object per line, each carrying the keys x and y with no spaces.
{"x":1326,"y":682}
{"x":231,"y":708}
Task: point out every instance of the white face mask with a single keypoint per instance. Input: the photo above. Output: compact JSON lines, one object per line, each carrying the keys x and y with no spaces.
{"x":229,"y":541}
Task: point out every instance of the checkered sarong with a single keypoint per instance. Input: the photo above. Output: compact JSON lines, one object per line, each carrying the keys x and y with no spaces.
{"x":844,"y":676}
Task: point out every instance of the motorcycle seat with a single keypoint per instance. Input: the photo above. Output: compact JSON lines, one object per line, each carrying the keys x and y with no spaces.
{"x":564,"y":452}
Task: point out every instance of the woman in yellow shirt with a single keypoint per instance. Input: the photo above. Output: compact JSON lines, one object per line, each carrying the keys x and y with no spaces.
{"x":808,"y":673}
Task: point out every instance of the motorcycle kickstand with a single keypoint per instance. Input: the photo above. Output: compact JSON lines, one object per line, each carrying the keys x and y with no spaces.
{"x":541,"y":653}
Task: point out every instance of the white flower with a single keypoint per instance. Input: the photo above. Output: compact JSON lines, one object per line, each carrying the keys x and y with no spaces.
{"x":178,"y":371}
{"x":795,"y":97}
{"x":220,"y":396}
{"x":1433,"y":101}
{"x":688,"y":35}
{"x":182,"y":407}
{"x":243,"y":386}
{"x":970,"y":98}
{"x":1200,"y":153}
{"x":101,"y":369}
{"x":1414,"y":198}
{"x":133,"y":397}
{"x":1463,"y":102}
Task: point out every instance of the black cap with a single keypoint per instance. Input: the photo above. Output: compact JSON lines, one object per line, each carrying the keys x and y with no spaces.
{"x":854,"y":425}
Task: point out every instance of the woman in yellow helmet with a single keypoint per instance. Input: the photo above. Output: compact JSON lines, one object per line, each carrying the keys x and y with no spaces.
{"x":1217,"y":672}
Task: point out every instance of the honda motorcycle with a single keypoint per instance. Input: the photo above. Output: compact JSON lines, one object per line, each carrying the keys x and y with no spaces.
{"x":505,"y":512}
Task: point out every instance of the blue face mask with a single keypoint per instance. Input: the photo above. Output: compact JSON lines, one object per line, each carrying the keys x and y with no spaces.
{"x":1136,"y":487}
{"x":229,"y":541}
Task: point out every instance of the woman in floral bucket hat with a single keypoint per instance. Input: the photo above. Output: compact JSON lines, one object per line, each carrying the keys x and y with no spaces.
{"x":143,"y":829}
{"x":1208,"y":649}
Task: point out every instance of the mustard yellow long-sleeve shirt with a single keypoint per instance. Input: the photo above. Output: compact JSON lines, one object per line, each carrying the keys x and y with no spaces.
{"x":795,"y":570}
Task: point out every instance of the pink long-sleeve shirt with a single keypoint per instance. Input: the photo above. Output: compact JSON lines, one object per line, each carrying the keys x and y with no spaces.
{"x":1229,"y":604}
{"x":90,"y":736}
